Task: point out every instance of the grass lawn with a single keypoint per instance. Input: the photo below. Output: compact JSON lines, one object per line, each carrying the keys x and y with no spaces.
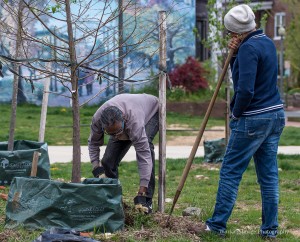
{"x":199,"y":191}
{"x":59,"y":125}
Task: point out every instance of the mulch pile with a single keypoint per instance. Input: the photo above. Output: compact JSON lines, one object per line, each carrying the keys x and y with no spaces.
{"x":180,"y":226}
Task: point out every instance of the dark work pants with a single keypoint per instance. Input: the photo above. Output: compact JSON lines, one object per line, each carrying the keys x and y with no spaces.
{"x":117,"y":149}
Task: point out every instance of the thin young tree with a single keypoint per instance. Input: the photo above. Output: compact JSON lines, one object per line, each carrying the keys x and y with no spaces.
{"x":11,"y":27}
{"x":292,"y":41}
{"x":81,"y":27}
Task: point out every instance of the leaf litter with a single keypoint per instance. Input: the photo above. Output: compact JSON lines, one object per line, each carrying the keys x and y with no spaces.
{"x":178,"y":226}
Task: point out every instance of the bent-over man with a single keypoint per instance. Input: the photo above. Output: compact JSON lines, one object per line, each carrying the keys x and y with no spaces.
{"x":129,"y":119}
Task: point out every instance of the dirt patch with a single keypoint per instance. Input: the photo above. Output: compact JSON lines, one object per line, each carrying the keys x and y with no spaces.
{"x":295,"y":232}
{"x":216,"y":132}
{"x":240,"y":205}
{"x":7,"y":234}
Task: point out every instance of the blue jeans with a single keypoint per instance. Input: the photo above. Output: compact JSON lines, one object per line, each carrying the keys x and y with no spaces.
{"x":117,"y":149}
{"x":252,"y":136}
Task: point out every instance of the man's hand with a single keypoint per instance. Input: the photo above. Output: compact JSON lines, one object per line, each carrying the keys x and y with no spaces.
{"x":142,"y":190}
{"x":99,"y":172}
{"x":234,"y":43}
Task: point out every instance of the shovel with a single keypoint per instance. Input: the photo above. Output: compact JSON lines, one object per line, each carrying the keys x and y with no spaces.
{"x":200,"y":134}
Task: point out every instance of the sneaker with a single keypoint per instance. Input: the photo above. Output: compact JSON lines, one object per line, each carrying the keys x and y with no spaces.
{"x":219,"y":233}
{"x":149,"y":204}
{"x":268,"y":236}
{"x":207,"y":228}
{"x":143,"y":204}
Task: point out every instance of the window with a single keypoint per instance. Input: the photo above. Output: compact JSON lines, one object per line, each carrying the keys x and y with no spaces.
{"x":279,"y":21}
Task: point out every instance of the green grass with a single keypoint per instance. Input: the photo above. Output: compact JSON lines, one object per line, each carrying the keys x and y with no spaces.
{"x":290,"y":136}
{"x":243,"y":224}
{"x":59,"y":125}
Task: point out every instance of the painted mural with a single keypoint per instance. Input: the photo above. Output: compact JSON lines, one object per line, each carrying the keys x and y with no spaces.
{"x":140,"y":52}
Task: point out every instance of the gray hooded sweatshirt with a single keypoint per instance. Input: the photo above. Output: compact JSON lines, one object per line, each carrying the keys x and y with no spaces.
{"x":137,"y":110}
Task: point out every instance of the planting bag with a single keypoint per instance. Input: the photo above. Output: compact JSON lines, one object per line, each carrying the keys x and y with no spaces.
{"x":214,"y":150}
{"x":94,"y":205}
{"x":19,"y":161}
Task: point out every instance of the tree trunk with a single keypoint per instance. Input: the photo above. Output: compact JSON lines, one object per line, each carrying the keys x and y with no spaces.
{"x":21,"y":96}
{"x":15,"y":83}
{"x":121,"y":53}
{"x":76,"y":173}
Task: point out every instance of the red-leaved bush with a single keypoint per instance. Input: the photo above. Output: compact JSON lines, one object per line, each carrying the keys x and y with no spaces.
{"x":189,"y":75}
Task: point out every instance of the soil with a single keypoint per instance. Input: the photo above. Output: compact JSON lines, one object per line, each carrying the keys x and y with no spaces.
{"x":296,"y":232}
{"x":186,"y":227}
{"x":216,"y":132}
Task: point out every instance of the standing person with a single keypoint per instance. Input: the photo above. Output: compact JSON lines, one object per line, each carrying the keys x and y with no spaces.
{"x":88,"y":81}
{"x":81,"y":77}
{"x":89,"y":84}
{"x":257,"y":121}
{"x":129,"y":119}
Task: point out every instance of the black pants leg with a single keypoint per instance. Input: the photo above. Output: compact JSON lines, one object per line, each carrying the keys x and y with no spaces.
{"x":114,"y":153}
{"x":151,"y":130}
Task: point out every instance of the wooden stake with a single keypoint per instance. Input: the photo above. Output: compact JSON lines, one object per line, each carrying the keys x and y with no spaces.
{"x":42,"y":124}
{"x":162,"y":110}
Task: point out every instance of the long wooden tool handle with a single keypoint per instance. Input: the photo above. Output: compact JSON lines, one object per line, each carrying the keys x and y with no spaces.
{"x":201,"y":131}
{"x":204,"y":122}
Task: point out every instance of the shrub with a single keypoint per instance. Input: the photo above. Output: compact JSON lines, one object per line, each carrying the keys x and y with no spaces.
{"x":176,"y":93}
{"x":190,"y":75}
{"x":295,"y":90}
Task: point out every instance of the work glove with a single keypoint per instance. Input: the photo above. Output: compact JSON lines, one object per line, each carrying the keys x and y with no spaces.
{"x":143,"y":204}
{"x":99,"y":172}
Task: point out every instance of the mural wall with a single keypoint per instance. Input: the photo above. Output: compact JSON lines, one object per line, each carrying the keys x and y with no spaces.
{"x":140,"y":57}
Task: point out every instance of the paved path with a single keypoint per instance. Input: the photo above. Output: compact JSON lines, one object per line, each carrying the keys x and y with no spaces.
{"x":64,"y":153}
{"x":292,"y":113}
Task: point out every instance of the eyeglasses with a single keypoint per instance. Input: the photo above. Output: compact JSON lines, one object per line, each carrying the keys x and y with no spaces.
{"x":232,"y":34}
{"x":120,"y":131}
{"x":229,"y":33}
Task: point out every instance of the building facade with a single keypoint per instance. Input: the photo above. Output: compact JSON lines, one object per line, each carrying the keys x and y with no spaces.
{"x":277,"y":16}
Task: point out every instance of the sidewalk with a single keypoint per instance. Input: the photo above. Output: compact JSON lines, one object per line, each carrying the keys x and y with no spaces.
{"x":63,"y":154}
